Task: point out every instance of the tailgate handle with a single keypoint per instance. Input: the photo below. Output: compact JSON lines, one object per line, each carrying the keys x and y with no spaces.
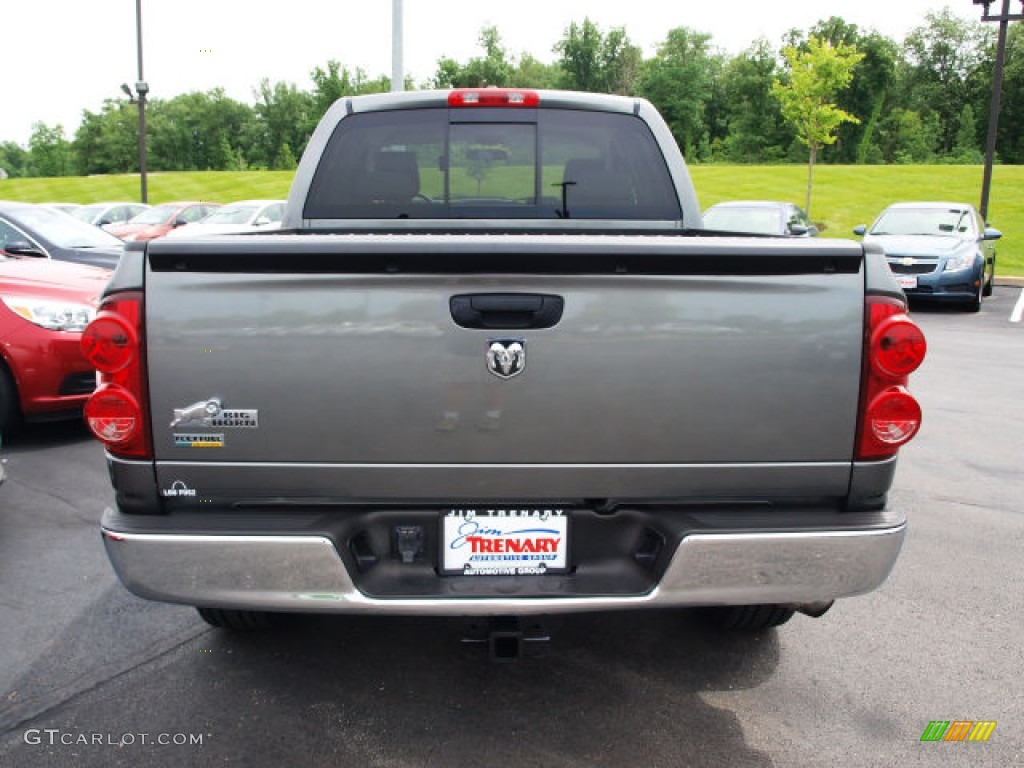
{"x":506,"y":311}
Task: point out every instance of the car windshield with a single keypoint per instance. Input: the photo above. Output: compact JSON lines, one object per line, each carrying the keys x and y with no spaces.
{"x":63,"y":230}
{"x":762,"y":221}
{"x":231,"y":214}
{"x":940,"y":222}
{"x":156,"y":215}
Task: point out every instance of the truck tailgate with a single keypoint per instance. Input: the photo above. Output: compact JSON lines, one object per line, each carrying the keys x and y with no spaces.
{"x":339,"y":359}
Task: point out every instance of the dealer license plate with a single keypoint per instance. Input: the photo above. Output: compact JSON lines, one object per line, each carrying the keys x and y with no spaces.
{"x":907,"y":281}
{"x":504,"y":541}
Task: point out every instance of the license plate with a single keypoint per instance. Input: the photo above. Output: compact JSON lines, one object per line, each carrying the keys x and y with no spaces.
{"x":495,"y":541}
{"x":907,"y":281}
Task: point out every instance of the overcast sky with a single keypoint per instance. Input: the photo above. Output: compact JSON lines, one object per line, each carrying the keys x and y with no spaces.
{"x":60,"y":57}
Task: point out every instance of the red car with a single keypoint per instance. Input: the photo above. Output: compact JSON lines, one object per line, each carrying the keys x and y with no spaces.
{"x":161,"y":219}
{"x":44,"y":305}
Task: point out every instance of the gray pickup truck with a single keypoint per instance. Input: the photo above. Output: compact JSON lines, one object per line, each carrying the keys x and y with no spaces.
{"x":494,"y":366}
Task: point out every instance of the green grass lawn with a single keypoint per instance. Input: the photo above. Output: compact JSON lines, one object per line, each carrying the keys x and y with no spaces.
{"x":844,"y":196}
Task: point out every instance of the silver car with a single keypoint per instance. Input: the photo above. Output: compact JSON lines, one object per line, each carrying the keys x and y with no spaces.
{"x":760,"y":217}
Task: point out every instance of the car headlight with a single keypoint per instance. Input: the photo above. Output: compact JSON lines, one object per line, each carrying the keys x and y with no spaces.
{"x":962,"y":260}
{"x":49,"y":314}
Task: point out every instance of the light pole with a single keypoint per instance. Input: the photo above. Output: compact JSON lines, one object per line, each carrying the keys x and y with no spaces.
{"x":139,"y":97}
{"x":1004,"y":19}
{"x":397,"y":68}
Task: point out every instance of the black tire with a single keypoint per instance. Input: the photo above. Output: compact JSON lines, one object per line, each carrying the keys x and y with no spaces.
{"x":746,"y":618}
{"x":237,"y":621}
{"x":987,"y":289}
{"x":9,"y":410}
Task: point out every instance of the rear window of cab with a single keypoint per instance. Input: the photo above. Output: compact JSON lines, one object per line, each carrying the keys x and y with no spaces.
{"x":492,"y":163}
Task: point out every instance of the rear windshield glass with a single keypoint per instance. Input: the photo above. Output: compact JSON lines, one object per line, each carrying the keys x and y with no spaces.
{"x":494,"y":164}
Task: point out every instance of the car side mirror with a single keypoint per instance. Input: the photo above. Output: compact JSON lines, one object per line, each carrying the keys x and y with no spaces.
{"x":179,"y":222}
{"x":797,"y":230}
{"x":991,"y":234}
{"x":261,"y":221}
{"x":103,"y":222}
{"x":23,"y":248}
{"x":860,"y":229}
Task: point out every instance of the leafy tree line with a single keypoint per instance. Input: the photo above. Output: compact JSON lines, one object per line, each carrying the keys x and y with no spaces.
{"x":924,"y":100}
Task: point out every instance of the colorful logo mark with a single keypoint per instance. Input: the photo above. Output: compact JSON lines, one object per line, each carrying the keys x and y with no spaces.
{"x":958,"y":730}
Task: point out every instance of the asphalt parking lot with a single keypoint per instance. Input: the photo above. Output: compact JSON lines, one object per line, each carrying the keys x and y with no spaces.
{"x":92,"y":676}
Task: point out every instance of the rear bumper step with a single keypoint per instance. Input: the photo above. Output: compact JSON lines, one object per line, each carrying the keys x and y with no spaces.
{"x":304,"y":573}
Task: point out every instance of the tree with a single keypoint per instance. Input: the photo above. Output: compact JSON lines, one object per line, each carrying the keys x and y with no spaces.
{"x":678,"y":81}
{"x":907,"y":137}
{"x":494,"y":68}
{"x":336,"y":82}
{"x":941,"y":58}
{"x":815,"y":76}
{"x":532,"y":73}
{"x":755,"y":131}
{"x":1010,"y":136}
{"x":591,"y":61}
{"x":966,"y":149}
{"x":283,"y":113}
{"x":869,"y":90}
{"x":13,"y":159}
{"x":49,"y":153}
{"x":108,"y":141}
{"x":198,"y":131}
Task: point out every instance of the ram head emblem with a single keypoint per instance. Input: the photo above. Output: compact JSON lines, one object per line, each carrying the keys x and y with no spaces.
{"x":506,"y":357}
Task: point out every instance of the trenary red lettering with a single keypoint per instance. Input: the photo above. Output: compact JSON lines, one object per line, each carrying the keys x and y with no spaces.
{"x":480,"y":544}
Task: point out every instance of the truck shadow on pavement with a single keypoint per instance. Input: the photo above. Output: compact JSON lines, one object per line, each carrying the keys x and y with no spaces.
{"x":611,"y":690}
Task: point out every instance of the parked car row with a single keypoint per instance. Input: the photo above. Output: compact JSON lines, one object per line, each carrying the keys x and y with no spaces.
{"x":105,"y":214}
{"x":937,"y":250}
{"x":161,"y":219}
{"x":89,"y":235}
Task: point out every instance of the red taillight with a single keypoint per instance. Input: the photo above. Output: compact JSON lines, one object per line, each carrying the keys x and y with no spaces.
{"x":894,"y":416}
{"x":897,"y":346}
{"x":894,"y":348}
{"x":116,"y":411}
{"x":113,"y":415}
{"x":109,"y":343}
{"x":493,"y":97}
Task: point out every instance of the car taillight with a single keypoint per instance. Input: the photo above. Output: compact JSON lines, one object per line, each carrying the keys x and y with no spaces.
{"x":493,"y":97}
{"x":112,"y":343}
{"x":894,"y":348}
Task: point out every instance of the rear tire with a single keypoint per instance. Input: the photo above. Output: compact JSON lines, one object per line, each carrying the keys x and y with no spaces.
{"x":237,"y":621}
{"x":746,"y":618}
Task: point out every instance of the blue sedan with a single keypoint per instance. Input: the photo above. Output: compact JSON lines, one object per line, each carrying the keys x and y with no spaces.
{"x":940,"y":251}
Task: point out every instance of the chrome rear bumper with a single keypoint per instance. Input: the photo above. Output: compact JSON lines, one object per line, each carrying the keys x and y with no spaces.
{"x":304,"y":573}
